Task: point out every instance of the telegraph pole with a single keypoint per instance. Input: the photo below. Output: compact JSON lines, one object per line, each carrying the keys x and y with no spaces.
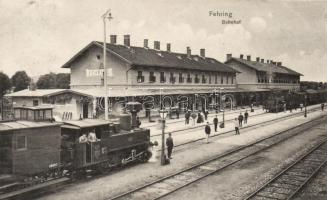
{"x":106,"y":15}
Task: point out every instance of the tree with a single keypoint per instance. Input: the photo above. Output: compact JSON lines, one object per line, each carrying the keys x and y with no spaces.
{"x":5,"y":84}
{"x":20,"y":80}
{"x":63,"y":80}
{"x":47,"y":81}
{"x":52,"y":80}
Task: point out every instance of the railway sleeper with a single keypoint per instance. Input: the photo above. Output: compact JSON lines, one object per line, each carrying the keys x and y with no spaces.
{"x":283,"y":185}
{"x":286,"y":181}
{"x":295,"y":173}
{"x":296,"y":178}
{"x":273,"y":189}
{"x":272,"y":195}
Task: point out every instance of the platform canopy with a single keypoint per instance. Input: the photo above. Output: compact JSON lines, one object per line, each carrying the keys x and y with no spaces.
{"x":99,"y":92}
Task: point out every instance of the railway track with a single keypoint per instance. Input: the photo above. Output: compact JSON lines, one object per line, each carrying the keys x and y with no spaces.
{"x":289,"y":182}
{"x":169,"y":184}
{"x":34,"y":189}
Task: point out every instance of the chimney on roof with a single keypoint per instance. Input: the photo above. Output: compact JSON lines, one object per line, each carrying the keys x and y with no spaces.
{"x":203,"y":53}
{"x":146,"y":43}
{"x":258,"y":59}
{"x":188,"y":52}
{"x":156,"y":45}
{"x":248,"y":57}
{"x":127,"y":41}
{"x":228,"y":56}
{"x":279,"y":64}
{"x":262,"y":60}
{"x":168,"y":47}
{"x":241,"y":56}
{"x":113,"y":39}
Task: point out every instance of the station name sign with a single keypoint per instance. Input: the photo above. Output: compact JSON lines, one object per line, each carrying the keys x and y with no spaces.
{"x":98,"y":72}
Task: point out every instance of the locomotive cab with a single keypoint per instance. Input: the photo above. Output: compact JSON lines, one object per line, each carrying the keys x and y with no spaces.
{"x":96,"y":143}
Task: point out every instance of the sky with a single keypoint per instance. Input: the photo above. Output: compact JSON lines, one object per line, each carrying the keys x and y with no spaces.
{"x":39,"y":36}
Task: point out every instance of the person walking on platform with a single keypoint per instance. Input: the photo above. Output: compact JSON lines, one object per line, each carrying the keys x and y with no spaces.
{"x":236,"y":124}
{"x":322,"y":106}
{"x":170,"y":145}
{"x":240,"y":119}
{"x":187,"y":117}
{"x":215,"y":122}
{"x":199,"y":119}
{"x":207,"y":131}
{"x":301,"y":106}
{"x":246,"y":115}
{"x":206,"y":113}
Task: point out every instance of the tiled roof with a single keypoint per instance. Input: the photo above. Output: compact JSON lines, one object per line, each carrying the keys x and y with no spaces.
{"x":266,"y":67}
{"x":139,"y":56}
{"x":42,"y":93}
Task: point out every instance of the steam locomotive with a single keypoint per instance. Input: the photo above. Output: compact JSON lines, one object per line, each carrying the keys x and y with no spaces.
{"x":35,"y":148}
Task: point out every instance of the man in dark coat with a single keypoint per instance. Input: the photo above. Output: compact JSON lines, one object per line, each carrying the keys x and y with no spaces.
{"x":246,"y":115}
{"x":187,"y":117}
{"x":240,"y":119}
{"x":215,"y":122}
{"x":207,"y":130}
{"x":322,"y":106}
{"x":206,"y":113}
{"x":170,"y":145}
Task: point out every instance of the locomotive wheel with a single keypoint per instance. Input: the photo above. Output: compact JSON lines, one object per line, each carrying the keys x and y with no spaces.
{"x":146,"y":156}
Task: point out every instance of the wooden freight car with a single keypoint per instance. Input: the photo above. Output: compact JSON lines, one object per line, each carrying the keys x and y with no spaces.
{"x":30,"y":144}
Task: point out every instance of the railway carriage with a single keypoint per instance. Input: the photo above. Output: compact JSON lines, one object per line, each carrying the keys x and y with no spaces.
{"x":34,"y":148}
{"x":31,"y":145}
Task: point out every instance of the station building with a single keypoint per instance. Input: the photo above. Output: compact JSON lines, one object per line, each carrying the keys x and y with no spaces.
{"x":152,"y":76}
{"x":66,"y":104}
{"x":263,"y":77}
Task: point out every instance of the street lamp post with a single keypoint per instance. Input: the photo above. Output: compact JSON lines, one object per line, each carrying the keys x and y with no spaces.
{"x":221,"y":102}
{"x":163,"y":115}
{"x":106,"y":15}
{"x":305,"y":105}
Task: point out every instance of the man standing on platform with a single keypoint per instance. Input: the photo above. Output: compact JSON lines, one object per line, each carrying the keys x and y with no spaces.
{"x":246,"y":115}
{"x":207,"y":130}
{"x":170,"y":145}
{"x":322,"y":106}
{"x":187,"y":117}
{"x":215,"y":122}
{"x":236,"y":124}
{"x":240,"y":119}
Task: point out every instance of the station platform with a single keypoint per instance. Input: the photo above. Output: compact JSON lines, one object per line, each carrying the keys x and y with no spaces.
{"x":125,"y":179}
